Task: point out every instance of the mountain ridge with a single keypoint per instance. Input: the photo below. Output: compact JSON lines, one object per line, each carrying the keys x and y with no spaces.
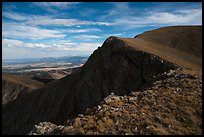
{"x":116,"y":67}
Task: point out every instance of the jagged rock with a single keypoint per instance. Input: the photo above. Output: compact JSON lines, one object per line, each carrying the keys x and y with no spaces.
{"x":44,"y":128}
{"x":99,"y":107}
{"x":170,"y":72}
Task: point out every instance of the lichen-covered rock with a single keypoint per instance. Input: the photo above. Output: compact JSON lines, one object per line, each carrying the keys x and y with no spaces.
{"x":44,"y":128}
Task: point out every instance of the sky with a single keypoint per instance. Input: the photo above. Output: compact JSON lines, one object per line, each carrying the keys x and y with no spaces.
{"x":56,"y":29}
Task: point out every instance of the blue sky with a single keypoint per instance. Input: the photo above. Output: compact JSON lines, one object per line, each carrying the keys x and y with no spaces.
{"x":55,"y":29}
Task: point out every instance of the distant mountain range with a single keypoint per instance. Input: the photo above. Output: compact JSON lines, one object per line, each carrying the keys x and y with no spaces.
{"x":71,"y":59}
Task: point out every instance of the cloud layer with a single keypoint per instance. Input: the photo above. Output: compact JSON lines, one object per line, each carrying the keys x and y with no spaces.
{"x":74,"y":28}
{"x":190,"y":16}
{"x":65,"y":47}
{"x":13,"y":30}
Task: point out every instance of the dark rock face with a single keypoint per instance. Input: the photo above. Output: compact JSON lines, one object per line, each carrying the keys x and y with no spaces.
{"x":10,"y":91}
{"x":43,"y":80}
{"x":114,"y":67}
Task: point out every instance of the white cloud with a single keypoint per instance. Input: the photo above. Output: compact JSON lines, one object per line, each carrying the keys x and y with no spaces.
{"x":22,"y":16}
{"x":119,"y":9}
{"x":83,"y":47}
{"x":114,"y":34}
{"x":126,"y":17}
{"x":17,"y":43}
{"x":13,"y":16}
{"x":66,"y":22}
{"x":36,"y":45}
{"x":11,"y":43}
{"x":181,"y":17}
{"x":90,"y":44}
{"x":186,"y":17}
{"x":13,"y":30}
{"x":33,"y":50}
{"x":82,"y":30}
{"x":49,"y":20}
{"x":59,"y":5}
{"x":55,"y":7}
{"x":86,"y":37}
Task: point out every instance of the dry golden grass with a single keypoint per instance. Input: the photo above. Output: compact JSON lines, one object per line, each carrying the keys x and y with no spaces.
{"x":180,"y":45}
{"x":167,"y":53}
{"x":172,"y":106}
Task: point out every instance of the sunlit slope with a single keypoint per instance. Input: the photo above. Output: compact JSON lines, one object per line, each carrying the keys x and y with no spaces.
{"x":179,"y":45}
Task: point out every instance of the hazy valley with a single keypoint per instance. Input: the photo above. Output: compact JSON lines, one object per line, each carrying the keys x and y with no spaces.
{"x":44,"y":68}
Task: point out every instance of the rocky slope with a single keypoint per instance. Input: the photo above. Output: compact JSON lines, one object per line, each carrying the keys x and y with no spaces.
{"x":171,"y":106}
{"x":119,"y":66}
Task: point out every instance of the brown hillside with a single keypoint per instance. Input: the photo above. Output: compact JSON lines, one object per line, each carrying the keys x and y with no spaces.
{"x":13,"y":85}
{"x":181,"y":45}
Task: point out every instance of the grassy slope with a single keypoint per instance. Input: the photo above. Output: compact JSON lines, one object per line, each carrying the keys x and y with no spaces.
{"x":179,"y":45}
{"x":23,"y":80}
